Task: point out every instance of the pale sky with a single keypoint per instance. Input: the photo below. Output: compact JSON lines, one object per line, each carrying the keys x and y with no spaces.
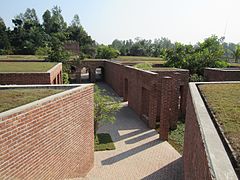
{"x":187,"y":21}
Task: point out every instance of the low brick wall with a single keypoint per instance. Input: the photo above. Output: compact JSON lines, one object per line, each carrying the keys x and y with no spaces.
{"x":204,"y":154}
{"x":217,"y":74}
{"x":49,"y":139}
{"x":53,"y":76}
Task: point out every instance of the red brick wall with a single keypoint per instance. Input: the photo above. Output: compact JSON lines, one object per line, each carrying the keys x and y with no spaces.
{"x":72,"y":46}
{"x":113,"y":74}
{"x":117,"y":75}
{"x":51,"y":140}
{"x":132,"y":84}
{"x":56,"y":73}
{"x":195,"y":160}
{"x":211,"y":74}
{"x":24,"y":78}
{"x":33,"y":78}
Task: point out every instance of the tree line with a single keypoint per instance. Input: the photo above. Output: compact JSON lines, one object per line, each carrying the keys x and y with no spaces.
{"x":29,"y":36}
{"x":160,"y":47}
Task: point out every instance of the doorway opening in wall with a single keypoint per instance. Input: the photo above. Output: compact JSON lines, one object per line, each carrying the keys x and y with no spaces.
{"x":145,"y":104}
{"x":125,"y":90}
{"x":85,"y":75}
{"x":99,"y":74}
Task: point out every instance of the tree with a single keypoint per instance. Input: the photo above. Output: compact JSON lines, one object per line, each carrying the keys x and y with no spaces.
{"x":105,"y":108}
{"x":4,"y":40}
{"x":47,"y":21}
{"x":77,"y":33}
{"x":196,"y":58}
{"x":236,"y":53}
{"x":106,"y":52}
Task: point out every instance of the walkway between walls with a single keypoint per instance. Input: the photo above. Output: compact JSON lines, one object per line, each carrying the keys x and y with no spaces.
{"x":139,"y":153}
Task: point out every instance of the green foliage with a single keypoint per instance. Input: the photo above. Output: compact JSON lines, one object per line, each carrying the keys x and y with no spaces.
{"x":196,"y":78}
{"x":221,"y":64}
{"x":176,"y":137}
{"x":144,"y":66}
{"x":58,"y":55}
{"x":42,"y":51}
{"x":142,"y":47}
{"x":106,"y":52}
{"x":77,"y":33}
{"x":103,"y":142}
{"x":29,"y":36}
{"x":196,"y":58}
{"x":105,"y":108}
{"x":236,"y":53}
{"x":65,"y":78}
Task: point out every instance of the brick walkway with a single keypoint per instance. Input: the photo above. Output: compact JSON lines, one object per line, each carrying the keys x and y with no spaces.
{"x":139,"y":153}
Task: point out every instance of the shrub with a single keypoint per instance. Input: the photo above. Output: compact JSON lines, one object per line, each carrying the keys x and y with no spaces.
{"x":196,"y":78}
{"x":58,"y":56}
{"x":196,"y":58}
{"x":6,"y":52}
{"x":42,"y":51}
{"x":65,"y":78}
{"x":221,"y":64}
{"x":106,"y":52}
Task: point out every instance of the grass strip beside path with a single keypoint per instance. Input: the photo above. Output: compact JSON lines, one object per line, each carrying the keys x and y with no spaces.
{"x":103,"y":142}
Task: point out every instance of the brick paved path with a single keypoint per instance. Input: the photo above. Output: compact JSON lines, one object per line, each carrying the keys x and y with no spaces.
{"x":139,"y":153}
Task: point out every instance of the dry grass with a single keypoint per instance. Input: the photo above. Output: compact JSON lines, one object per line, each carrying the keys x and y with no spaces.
{"x":26,"y":66}
{"x":224,"y":102}
{"x":12,"y":98}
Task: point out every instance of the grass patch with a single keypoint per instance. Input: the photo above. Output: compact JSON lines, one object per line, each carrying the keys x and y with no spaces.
{"x":144,"y":66}
{"x":224,"y":102}
{"x":12,"y":98}
{"x":138,"y":58}
{"x":21,"y":57}
{"x":176,"y":137}
{"x":103,"y":142}
{"x":26,"y":66}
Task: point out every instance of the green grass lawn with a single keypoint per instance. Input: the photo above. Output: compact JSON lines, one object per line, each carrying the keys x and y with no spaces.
{"x":103,"y":142}
{"x":26,"y":66}
{"x":139,"y":59}
{"x":21,"y":57}
{"x":176,"y":137}
{"x":224,"y":102}
{"x":12,"y":98}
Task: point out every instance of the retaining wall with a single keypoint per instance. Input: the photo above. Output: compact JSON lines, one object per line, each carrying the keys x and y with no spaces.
{"x":52,"y":138}
{"x":53,"y":76}
{"x":225,"y":74}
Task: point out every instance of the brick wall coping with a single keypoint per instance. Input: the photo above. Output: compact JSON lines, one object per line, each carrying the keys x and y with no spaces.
{"x":219,"y":162}
{"x":54,"y":67}
{"x":47,"y":72}
{"x":70,"y":88}
{"x":146,"y":71}
{"x":224,"y":69}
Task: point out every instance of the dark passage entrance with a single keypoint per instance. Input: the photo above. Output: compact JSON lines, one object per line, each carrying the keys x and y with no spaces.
{"x":99,"y":74}
{"x":145,"y":104}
